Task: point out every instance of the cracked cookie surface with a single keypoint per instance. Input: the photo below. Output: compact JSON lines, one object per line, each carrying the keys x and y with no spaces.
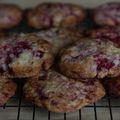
{"x":24,"y":55}
{"x":58,"y":93}
{"x":7,"y":89}
{"x":10,"y":16}
{"x":107,"y":14}
{"x":48,"y":15}
{"x":89,"y":58}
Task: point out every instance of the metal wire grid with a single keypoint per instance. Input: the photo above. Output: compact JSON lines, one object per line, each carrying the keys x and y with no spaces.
{"x":80,"y":114}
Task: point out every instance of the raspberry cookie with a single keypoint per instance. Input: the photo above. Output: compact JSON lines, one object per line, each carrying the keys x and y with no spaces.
{"x":109,"y":33}
{"x":24,"y":56}
{"x":58,"y":93}
{"x":55,"y":14}
{"x":90,"y":58}
{"x":60,"y":37}
{"x":107,"y":14}
{"x":113,"y":85}
{"x":7,"y":89}
{"x":10,"y":15}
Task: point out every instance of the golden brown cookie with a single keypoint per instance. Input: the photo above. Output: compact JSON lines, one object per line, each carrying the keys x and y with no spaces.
{"x":24,"y":56}
{"x":89,"y":58}
{"x":107,"y":14}
{"x":60,"y":37}
{"x":7,"y":89}
{"x":58,"y":93}
{"x":48,"y":15}
{"x":10,"y":16}
{"x":109,"y":33}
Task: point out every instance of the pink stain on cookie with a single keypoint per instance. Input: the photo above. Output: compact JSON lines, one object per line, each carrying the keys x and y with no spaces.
{"x":12,"y":19}
{"x":7,"y":16}
{"x":65,"y":8}
{"x":7,"y":19}
{"x":54,"y":102}
{"x":48,"y":12}
{"x":10,"y":51}
{"x":103,"y":62}
{"x":112,"y":34}
{"x":20,"y":47}
{"x":109,"y":11}
{"x":45,"y":18}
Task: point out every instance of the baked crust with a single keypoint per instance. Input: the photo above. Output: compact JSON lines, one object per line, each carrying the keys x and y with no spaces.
{"x":58,"y":93}
{"x":107,"y":14}
{"x":24,"y":55}
{"x":7,"y":89}
{"x":60,"y":37}
{"x":48,"y":15}
{"x":109,"y":33}
{"x":10,"y":16}
{"x":89,"y":58}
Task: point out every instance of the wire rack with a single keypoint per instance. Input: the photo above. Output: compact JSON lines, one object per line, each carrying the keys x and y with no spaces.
{"x":18,"y":109}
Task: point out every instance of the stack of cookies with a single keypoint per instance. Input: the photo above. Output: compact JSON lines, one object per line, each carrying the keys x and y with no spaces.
{"x":63,"y":65}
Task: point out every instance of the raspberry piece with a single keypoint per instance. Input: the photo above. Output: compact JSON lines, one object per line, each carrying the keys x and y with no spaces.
{"x":104,"y":63}
{"x":38,"y":54}
{"x":8,"y":52}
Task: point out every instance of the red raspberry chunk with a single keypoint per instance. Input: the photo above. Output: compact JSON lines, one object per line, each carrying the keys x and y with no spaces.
{"x":103,"y":63}
{"x":10,"y":51}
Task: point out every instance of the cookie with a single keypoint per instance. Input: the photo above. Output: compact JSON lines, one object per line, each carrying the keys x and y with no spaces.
{"x":89,"y":58}
{"x":107,"y":14}
{"x":48,"y":15}
{"x":58,"y":93}
{"x":7,"y":89}
{"x":113,"y":85}
{"x":109,"y":33}
{"x":60,"y":37}
{"x":10,"y":16}
{"x":24,"y":56}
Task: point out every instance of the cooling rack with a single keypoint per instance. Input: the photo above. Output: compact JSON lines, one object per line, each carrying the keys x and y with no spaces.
{"x":18,"y":109}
